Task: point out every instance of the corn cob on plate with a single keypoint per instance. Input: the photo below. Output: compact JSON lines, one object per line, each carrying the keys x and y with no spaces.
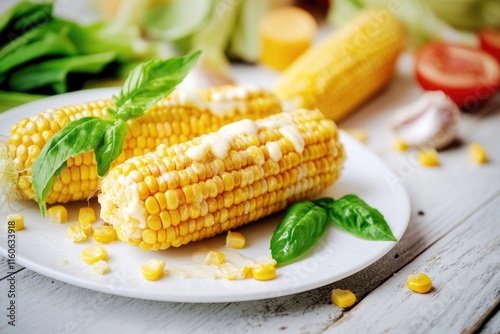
{"x":43,"y":246}
{"x":181,"y":116}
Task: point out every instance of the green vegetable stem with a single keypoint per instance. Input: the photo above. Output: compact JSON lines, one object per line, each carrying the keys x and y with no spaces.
{"x":305,"y":224}
{"x":146,"y":84}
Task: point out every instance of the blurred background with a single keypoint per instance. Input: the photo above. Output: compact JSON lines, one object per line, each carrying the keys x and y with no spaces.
{"x":54,"y":47}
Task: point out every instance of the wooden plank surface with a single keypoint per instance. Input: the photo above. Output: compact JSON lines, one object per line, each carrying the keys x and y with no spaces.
{"x":465,"y":269}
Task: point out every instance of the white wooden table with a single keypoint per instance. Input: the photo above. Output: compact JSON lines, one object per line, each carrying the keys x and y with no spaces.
{"x":453,"y":236}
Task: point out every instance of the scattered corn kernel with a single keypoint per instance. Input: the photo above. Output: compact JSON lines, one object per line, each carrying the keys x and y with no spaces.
{"x":400,"y":145}
{"x":214,"y":257}
{"x":86,"y":228}
{"x":420,"y":283}
{"x":86,"y":215}
{"x":359,"y":134}
{"x":264,"y":271}
{"x":477,"y":154}
{"x":104,"y":234}
{"x":15,"y":222}
{"x":152,"y":270}
{"x":428,"y":157}
{"x":343,"y":298}
{"x":101,"y":267}
{"x":235,"y":240}
{"x":75,"y":233}
{"x":58,"y":214}
{"x":94,"y":253}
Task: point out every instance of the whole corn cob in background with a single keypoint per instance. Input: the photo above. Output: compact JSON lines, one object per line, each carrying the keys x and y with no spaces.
{"x":183,"y":115}
{"x":213,"y":183}
{"x":346,"y":68}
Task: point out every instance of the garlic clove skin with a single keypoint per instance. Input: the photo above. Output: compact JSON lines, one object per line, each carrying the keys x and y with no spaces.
{"x":430,"y":121}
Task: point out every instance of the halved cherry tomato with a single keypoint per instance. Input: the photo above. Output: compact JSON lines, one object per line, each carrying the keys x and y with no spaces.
{"x":467,"y":75}
{"x":490,"y":42}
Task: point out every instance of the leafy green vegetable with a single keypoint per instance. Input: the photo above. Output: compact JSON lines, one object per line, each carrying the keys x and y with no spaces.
{"x":146,"y":85}
{"x":421,"y":22}
{"x":55,"y":71}
{"x":9,"y":100}
{"x":303,"y":226}
{"x":111,"y":146}
{"x":353,"y":215}
{"x":76,"y":138}
{"x":149,"y":82}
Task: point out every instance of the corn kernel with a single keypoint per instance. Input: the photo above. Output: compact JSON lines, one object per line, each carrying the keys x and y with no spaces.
{"x":104,"y":234}
{"x":86,"y":215}
{"x":235,"y":240}
{"x":94,"y":253}
{"x":215,"y":258}
{"x":76,"y":234}
{"x":428,"y":157}
{"x":15,"y":222}
{"x":101,"y":267}
{"x":152,"y":270}
{"x":87,"y":229}
{"x":343,"y":298}
{"x":400,"y":145}
{"x":58,"y":214}
{"x":420,"y":283}
{"x":264,"y":271}
{"x":477,"y":154}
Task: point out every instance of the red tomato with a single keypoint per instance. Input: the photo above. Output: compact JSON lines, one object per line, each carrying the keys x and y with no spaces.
{"x":490,"y":42}
{"x":467,"y":75}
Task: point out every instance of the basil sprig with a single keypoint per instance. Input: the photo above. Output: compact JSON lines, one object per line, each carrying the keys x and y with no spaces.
{"x":146,"y":84}
{"x":305,"y":224}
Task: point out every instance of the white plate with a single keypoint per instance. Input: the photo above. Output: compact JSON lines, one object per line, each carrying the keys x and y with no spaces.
{"x":43,"y":246}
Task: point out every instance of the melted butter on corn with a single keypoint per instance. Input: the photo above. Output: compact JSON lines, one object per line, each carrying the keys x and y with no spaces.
{"x":234,"y":267}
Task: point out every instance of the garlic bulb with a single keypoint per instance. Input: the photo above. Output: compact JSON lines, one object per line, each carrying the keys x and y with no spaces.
{"x":430,"y":121}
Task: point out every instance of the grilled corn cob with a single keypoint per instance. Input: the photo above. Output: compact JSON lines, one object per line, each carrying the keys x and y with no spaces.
{"x":347,"y":68}
{"x":217,"y":182}
{"x":181,"y":116}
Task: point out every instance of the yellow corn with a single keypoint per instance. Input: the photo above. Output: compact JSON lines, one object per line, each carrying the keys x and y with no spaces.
{"x":343,"y":298}
{"x":428,"y":157}
{"x":222,"y":180}
{"x":86,"y":228}
{"x":15,"y":222}
{"x":400,"y":145}
{"x":75,"y":233}
{"x":94,"y":253}
{"x":347,"y":68}
{"x":58,"y":214}
{"x":101,"y":267}
{"x":214,"y":258}
{"x":264,"y":271}
{"x":153,"y":269}
{"x":86,"y":215}
{"x":477,"y":154}
{"x":104,"y":234}
{"x":235,"y":240}
{"x":181,"y":116}
{"x":420,"y":283}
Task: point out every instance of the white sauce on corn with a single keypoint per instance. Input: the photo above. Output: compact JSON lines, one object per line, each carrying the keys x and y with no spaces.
{"x":219,"y":143}
{"x":274,"y":151}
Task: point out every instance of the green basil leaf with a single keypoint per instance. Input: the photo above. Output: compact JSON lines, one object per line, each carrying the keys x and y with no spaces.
{"x":303,"y":226}
{"x":324,"y":202}
{"x":150,"y":82}
{"x":353,"y":215}
{"x":111,"y":146}
{"x":75,"y":138}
